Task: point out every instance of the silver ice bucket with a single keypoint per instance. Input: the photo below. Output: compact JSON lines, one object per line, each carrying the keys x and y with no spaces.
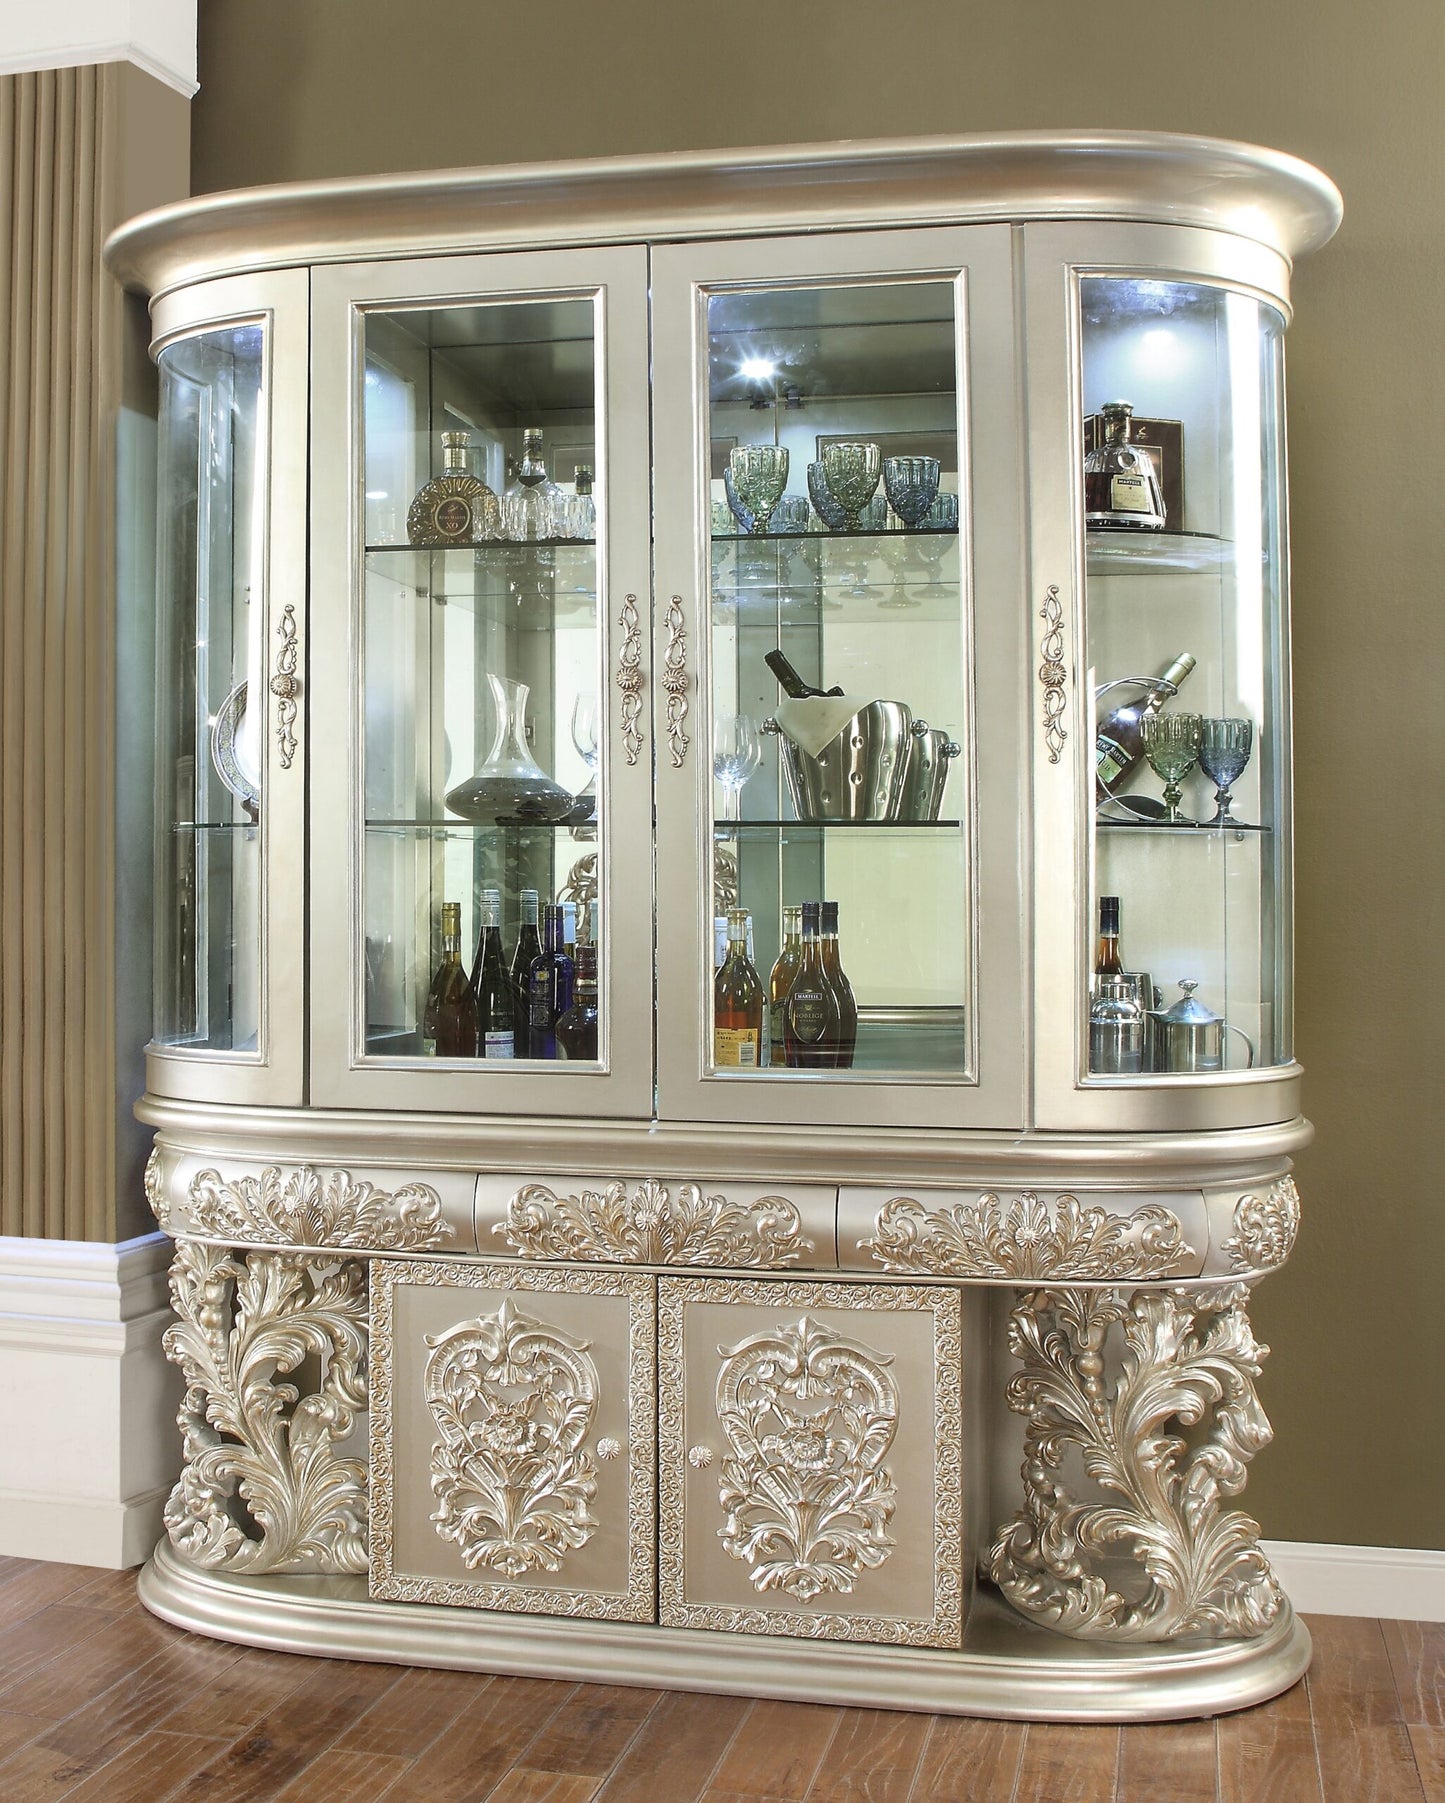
{"x":930,"y":753}
{"x":859,"y":774}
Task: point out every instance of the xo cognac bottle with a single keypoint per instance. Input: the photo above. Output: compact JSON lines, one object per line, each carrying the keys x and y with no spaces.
{"x":456,"y":507}
{"x":449,"y":1021}
{"x":1121,"y":485}
{"x":780,"y":981}
{"x":737,"y":1003}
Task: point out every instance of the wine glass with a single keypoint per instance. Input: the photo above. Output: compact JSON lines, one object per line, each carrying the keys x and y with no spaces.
{"x":911,"y":484}
{"x":898,"y":555}
{"x":852,"y":472}
{"x":1224,"y":748}
{"x":584,"y":728}
{"x":1171,"y":744}
{"x":737,"y":756}
{"x":758,"y":475}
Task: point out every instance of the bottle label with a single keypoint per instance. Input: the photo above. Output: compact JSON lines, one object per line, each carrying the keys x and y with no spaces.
{"x":1130,"y":494}
{"x":808,"y":1013}
{"x":498,"y":1045}
{"x":735,"y":1048}
{"x":1110,"y":760}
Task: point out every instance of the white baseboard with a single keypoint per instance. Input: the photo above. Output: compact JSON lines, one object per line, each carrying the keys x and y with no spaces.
{"x":1397,"y":1583}
{"x":87,"y":1399}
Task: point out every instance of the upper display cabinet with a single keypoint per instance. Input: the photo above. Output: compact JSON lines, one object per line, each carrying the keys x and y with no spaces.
{"x":794,"y":640}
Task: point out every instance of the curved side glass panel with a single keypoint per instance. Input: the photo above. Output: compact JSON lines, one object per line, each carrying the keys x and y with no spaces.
{"x":1187,"y":654}
{"x":210,"y":666}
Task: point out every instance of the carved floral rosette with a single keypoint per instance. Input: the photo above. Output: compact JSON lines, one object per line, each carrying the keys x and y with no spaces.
{"x":1169,"y":1438}
{"x":321,"y":1208}
{"x":650,"y":1224}
{"x":1265,"y":1228}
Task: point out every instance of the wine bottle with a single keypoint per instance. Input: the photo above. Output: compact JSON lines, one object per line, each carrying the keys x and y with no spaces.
{"x":528,"y":947}
{"x":737,"y":1003}
{"x":577,"y":1028}
{"x":449,"y":1020}
{"x":456,"y":507}
{"x":785,"y":968}
{"x":789,"y":680}
{"x":842,"y":988}
{"x":1119,"y":740}
{"x":549,"y":987}
{"x":1121,"y":484}
{"x":1117,"y":1025}
{"x":491,"y":986}
{"x":810,"y":1014}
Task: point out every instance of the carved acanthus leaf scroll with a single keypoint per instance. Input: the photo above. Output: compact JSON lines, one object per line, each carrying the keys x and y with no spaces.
{"x":653,"y":1225}
{"x":308,"y":1207}
{"x":1265,"y":1228}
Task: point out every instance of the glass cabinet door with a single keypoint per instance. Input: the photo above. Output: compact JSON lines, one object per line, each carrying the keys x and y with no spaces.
{"x":230,"y":784}
{"x":1182,"y":926}
{"x":837,"y":558}
{"x":476,"y":948}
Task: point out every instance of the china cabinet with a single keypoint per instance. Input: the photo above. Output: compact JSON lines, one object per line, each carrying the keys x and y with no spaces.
{"x":881,"y":1340}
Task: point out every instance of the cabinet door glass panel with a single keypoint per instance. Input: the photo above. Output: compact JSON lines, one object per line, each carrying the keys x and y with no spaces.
{"x":210,"y":667}
{"x":1186,"y":585}
{"x":481,"y":660}
{"x":839,"y":686}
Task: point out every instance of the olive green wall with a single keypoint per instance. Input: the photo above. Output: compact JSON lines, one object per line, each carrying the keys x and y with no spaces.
{"x":335,"y":87}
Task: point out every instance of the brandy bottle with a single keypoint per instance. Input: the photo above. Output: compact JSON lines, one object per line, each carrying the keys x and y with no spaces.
{"x":456,"y":507}
{"x":533,"y":505}
{"x":1118,"y":1028}
{"x":1119,"y":740}
{"x":842,"y":988}
{"x":780,"y":981}
{"x":737,"y":1003}
{"x":810,"y":1014}
{"x":491,"y":986}
{"x":449,"y":1020}
{"x":1121,"y":484}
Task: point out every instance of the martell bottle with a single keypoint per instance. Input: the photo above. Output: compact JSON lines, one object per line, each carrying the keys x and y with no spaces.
{"x":781,"y":979}
{"x":1121,"y":487}
{"x":737,"y":1003}
{"x":810,"y":1014}
{"x":491,"y":986}
{"x":532,"y":505}
{"x":1116,"y":1021}
{"x":449,"y":1021}
{"x":528,"y":947}
{"x":577,"y":1028}
{"x":549,"y":987}
{"x":1119,"y":740}
{"x":455,"y":508}
{"x":842,"y":988}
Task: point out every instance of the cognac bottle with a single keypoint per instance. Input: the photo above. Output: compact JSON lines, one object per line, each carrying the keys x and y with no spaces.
{"x":449,"y":1020}
{"x":1117,"y":1025}
{"x":737,"y":1003}
{"x":842,"y":988}
{"x":532,"y":505}
{"x":781,"y":979}
{"x":528,"y":947}
{"x":577,"y":1028}
{"x":789,"y":680}
{"x":455,"y":508}
{"x":810,"y":1014}
{"x":1119,"y":740}
{"x":1121,"y":485}
{"x":491,"y":986}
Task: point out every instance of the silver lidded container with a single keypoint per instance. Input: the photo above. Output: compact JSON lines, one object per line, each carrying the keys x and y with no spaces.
{"x":1118,"y":1029}
{"x":926,"y":777}
{"x":1190,"y":1037}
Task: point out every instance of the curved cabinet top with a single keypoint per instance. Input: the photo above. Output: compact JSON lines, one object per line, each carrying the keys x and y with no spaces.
{"x":1153,"y":177}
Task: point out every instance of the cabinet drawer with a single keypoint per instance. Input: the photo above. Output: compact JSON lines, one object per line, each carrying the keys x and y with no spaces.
{"x":513,"y":1443}
{"x":810,"y":1459}
{"x":652,"y":1221}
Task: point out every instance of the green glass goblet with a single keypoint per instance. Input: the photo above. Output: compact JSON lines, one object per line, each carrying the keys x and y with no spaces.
{"x":1171,"y":744}
{"x":759,"y":475}
{"x":852,"y":472}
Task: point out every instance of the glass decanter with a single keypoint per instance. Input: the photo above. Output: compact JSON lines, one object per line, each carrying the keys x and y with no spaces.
{"x":533,"y":505}
{"x":1121,"y":485}
{"x":511,"y":788}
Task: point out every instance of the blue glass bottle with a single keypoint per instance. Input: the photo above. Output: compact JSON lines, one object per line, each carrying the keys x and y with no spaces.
{"x":549,"y":986}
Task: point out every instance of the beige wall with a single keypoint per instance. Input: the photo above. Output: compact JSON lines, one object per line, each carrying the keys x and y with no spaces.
{"x":339,"y":87}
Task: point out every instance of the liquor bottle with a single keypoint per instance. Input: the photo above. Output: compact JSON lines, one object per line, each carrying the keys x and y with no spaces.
{"x":528,"y":947}
{"x":1117,"y":1024}
{"x":781,"y":980}
{"x":449,"y":1021}
{"x":789,"y":680}
{"x":1119,"y":740}
{"x":577,"y":1028}
{"x":569,"y":928}
{"x":580,"y":515}
{"x":549,"y":987}
{"x":842,"y":988}
{"x":455,"y":508}
{"x":810,"y":1014}
{"x":1121,"y":485}
{"x":737,"y":1003}
{"x":532,"y":505}
{"x":491,"y":986}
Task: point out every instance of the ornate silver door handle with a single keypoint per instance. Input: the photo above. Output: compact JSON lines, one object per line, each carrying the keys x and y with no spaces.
{"x":674,"y":680}
{"x":286,"y":686}
{"x":629,"y":678}
{"x":1052,"y":673}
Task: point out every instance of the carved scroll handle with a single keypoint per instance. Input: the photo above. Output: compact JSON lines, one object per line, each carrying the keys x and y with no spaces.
{"x":629,"y":678}
{"x":286,"y":686}
{"x":1052,"y":673}
{"x":674,"y":680}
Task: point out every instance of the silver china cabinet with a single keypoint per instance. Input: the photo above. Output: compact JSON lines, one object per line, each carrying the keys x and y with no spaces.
{"x":873,"y":1330}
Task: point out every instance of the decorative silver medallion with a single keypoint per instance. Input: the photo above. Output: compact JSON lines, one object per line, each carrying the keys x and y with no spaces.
{"x":1265,"y":1228}
{"x":653,"y":1225}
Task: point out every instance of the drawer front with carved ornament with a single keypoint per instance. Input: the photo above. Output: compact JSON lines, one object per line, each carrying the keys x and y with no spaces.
{"x":513,"y":1461}
{"x":652,"y":1221}
{"x":810,"y":1452}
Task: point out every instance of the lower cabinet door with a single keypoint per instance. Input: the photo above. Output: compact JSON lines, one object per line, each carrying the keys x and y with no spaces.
{"x":513,"y":1438}
{"x":810,"y":1459}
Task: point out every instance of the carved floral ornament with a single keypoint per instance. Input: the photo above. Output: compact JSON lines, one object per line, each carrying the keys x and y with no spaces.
{"x":1265,"y":1228}
{"x":307,"y":1207}
{"x":653,"y":1225}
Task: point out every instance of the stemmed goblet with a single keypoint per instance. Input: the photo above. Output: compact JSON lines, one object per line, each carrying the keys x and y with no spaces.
{"x":1224,"y":748}
{"x":737,"y":756}
{"x":1171,"y":744}
{"x":852,"y":472}
{"x":757,"y":474}
{"x":911,"y":484}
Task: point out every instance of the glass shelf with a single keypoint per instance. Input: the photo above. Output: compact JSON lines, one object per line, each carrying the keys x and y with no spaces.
{"x":489,"y":548}
{"x":1158,"y":553}
{"x":888,"y":535}
{"x":216,"y":826}
{"x":724,"y":829}
{"x":469,"y":829}
{"x":1238,"y":827}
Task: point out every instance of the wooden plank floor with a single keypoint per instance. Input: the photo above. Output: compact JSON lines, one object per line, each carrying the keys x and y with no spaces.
{"x":102,"y":1703}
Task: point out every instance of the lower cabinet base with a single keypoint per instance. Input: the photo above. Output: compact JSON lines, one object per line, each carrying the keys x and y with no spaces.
{"x":1007,"y":1667}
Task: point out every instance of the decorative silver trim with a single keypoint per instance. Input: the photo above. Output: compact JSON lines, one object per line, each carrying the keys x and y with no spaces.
{"x":1184,"y":1358}
{"x":1265,"y":1228}
{"x":1027,"y":1238}
{"x":307,"y":1207}
{"x":629,"y":678}
{"x":1052,"y":673}
{"x":157,"y":1192}
{"x":286,"y":685}
{"x":654,"y":1225}
{"x":255,"y":1450}
{"x":674,"y":680}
